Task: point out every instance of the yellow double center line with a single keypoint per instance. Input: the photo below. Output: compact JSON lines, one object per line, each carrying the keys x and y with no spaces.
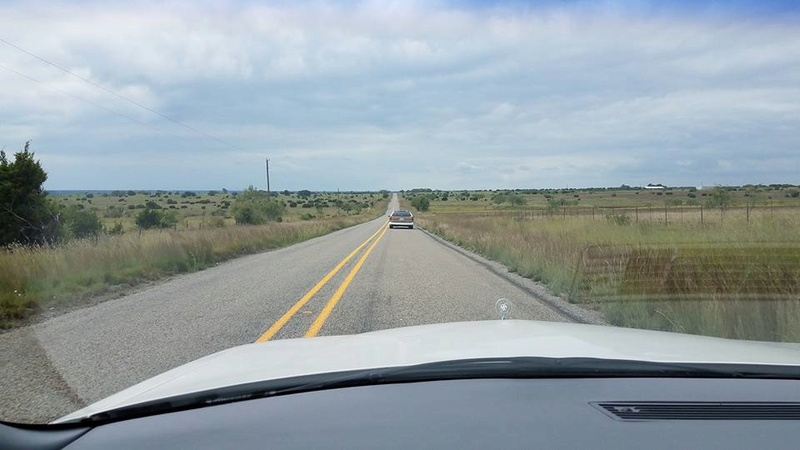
{"x":326,"y":311}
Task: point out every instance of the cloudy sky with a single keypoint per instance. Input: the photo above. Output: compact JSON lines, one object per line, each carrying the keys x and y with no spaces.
{"x":402,"y":94}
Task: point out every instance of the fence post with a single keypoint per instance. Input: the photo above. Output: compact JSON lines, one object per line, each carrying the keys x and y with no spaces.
{"x":701,"y":215}
{"x":637,"y":214}
{"x":665,"y":213}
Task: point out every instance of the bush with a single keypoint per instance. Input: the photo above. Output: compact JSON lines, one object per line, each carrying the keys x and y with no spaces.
{"x":149,"y":218}
{"x":252,"y":207}
{"x":618,"y":219}
{"x":115,"y":212}
{"x":421,"y":202}
{"x":169,"y":220}
{"x":81,"y":223}
{"x":116,"y":230}
{"x":217,"y":222}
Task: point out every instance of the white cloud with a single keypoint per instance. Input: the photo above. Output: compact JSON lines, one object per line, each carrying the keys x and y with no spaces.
{"x":351,"y":95}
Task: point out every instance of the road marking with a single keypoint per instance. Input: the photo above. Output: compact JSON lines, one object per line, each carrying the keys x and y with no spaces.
{"x":271,"y":331}
{"x":323,"y":316}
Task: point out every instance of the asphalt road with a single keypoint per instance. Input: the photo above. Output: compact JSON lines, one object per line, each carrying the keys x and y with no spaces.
{"x":403,"y":277}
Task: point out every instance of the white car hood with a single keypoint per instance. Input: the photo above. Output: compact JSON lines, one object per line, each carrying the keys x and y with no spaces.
{"x":441,"y":342}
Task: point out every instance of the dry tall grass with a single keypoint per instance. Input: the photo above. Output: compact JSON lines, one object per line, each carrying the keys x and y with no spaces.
{"x":33,"y":278}
{"x":732,"y":279}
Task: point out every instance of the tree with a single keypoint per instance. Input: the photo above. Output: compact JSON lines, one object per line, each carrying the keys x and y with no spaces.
{"x":27,"y":216}
{"x":720,"y":198}
{"x":508,"y":197}
{"x":148,"y":218}
{"x":421,"y":202}
{"x":253,"y":207}
{"x":303,"y":194}
{"x":752,"y":198}
{"x":517,"y":199}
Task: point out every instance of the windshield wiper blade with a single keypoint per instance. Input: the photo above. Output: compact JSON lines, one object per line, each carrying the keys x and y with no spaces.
{"x":216,"y":396}
{"x":516,"y":367}
{"x":535,"y":367}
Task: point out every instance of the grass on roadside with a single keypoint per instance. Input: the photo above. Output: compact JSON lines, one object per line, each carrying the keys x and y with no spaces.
{"x":34,"y":278}
{"x":730,"y":279}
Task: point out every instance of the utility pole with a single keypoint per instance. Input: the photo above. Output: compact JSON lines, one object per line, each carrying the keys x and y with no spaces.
{"x":268,"y":194}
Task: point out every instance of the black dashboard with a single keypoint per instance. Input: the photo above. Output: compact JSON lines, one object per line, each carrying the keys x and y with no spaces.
{"x":478,"y":413}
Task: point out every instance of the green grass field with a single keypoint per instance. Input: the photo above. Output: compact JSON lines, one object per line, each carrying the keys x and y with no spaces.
{"x":213,"y":208}
{"x":725,"y":275}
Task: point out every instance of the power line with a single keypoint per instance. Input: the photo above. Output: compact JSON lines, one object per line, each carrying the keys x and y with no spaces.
{"x":79,"y":98}
{"x":120,"y":96}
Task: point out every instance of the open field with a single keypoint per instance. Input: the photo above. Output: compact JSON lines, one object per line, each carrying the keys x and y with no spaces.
{"x":37,"y":278}
{"x":212,"y":209}
{"x":724,"y":275}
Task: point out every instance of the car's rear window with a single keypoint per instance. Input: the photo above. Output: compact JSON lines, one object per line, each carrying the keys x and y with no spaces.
{"x":401,"y":213}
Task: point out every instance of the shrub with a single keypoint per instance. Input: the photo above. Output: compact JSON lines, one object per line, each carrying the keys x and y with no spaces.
{"x":81,"y":223}
{"x":618,"y":219}
{"x":253,"y":207}
{"x":421,"y":202}
{"x":217,"y":222}
{"x":149,"y":218}
{"x":114,"y":212}
{"x":116,"y":230}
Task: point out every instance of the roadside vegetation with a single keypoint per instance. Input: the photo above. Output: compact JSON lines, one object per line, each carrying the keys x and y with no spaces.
{"x":62,"y":250}
{"x":723,"y":261}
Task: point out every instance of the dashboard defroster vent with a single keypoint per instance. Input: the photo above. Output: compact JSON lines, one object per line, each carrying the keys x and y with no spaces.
{"x":700,"y":410}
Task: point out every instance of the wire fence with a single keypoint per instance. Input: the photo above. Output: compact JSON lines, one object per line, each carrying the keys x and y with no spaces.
{"x":664,"y":214}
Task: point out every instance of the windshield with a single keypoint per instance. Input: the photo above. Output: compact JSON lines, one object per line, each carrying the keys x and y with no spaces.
{"x":181,"y":178}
